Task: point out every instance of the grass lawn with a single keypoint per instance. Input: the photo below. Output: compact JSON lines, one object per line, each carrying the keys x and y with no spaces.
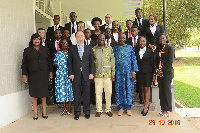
{"x":187,"y":77}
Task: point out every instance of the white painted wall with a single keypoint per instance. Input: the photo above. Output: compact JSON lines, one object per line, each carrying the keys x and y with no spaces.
{"x":17,"y":24}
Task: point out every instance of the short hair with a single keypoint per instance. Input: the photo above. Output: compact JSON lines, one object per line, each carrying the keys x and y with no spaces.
{"x":96,"y":19}
{"x":81,"y":22}
{"x":72,"y":12}
{"x":107,"y":29}
{"x":115,"y":21}
{"x":108,"y":14}
{"x":128,"y":20}
{"x":87,"y":29}
{"x":134,"y":26}
{"x":154,"y":16}
{"x":138,"y":9}
{"x":79,"y":31}
{"x":36,"y":35}
{"x":40,"y":29}
{"x":56,"y":16}
{"x":142,"y":37}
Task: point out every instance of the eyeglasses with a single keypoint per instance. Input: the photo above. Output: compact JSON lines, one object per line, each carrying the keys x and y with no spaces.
{"x":63,"y":43}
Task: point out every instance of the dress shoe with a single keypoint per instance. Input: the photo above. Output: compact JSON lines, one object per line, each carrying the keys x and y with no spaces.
{"x":76,"y":117}
{"x":120,"y":112}
{"x":129,"y":113}
{"x":109,"y":114}
{"x":87,"y":116}
{"x":35,"y":118}
{"x":98,"y":114}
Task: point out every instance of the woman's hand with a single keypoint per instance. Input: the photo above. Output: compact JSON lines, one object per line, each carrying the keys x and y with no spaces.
{"x":24,"y":79}
{"x":133,"y":76}
{"x":51,"y":75}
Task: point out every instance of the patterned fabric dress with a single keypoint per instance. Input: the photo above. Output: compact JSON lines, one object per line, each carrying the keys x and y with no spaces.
{"x":126,"y":63}
{"x":63,"y":85}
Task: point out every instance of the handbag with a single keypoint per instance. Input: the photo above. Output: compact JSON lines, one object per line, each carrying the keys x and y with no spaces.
{"x":51,"y":98}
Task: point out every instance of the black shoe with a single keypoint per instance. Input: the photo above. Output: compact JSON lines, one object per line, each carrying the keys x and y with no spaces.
{"x":144,"y":114}
{"x":76,"y":117}
{"x":35,"y":118}
{"x":45,"y":117}
{"x":87,"y":116}
{"x":142,"y":111}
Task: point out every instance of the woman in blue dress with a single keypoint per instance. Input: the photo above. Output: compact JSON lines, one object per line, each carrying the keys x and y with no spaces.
{"x":126,"y":66}
{"x":63,"y":85}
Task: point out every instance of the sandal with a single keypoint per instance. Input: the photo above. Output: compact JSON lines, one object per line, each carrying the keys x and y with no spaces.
{"x":69,"y":113}
{"x":63,"y":113}
{"x":165,"y":115}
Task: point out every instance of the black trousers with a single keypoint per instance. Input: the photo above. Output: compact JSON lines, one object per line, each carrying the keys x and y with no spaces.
{"x":165,"y":94}
{"x":85,"y":85}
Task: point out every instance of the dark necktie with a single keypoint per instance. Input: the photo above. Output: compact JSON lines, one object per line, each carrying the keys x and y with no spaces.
{"x":73,"y":30}
{"x":139,"y":23}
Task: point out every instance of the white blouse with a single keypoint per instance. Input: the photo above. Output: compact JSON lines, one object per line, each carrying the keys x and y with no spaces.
{"x":142,"y":51}
{"x":153,"y":28}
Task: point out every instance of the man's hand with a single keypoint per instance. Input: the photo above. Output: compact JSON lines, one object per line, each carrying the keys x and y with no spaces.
{"x":71,"y":77}
{"x":24,"y":79}
{"x":113,"y":77}
{"x":152,"y":47}
{"x":91,"y":76}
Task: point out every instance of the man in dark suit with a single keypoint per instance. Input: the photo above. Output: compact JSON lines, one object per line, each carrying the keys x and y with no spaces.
{"x":133,"y":40}
{"x":72,"y":26}
{"x":88,"y":40}
{"x":140,"y":22}
{"x":109,"y":39}
{"x":108,"y":20}
{"x":41,"y":32}
{"x":50,"y":31}
{"x":80,"y":71}
{"x":129,"y":24}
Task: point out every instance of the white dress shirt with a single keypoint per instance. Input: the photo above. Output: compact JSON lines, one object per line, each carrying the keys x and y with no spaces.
{"x":110,"y":26}
{"x":43,"y":44}
{"x":142,"y":51}
{"x":140,"y":22}
{"x":73,"y":39}
{"x":116,"y":36}
{"x":56,"y":27}
{"x":88,"y":41}
{"x":108,"y":42}
{"x":153,"y":28}
{"x":56,"y":45}
{"x":133,"y":40}
{"x":75,"y":27}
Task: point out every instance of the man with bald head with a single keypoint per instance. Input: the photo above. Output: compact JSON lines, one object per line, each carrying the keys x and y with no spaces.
{"x":81,"y":71}
{"x":104,"y":74}
{"x":108,"y":20}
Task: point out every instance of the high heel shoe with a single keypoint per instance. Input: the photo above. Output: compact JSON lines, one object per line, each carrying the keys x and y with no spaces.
{"x":35,"y":118}
{"x":45,"y":117}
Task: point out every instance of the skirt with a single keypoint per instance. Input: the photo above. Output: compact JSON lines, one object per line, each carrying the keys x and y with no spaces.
{"x":38,"y":84}
{"x":144,"y":79}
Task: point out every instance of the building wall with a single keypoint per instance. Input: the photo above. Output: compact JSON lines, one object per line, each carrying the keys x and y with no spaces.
{"x":17,"y":24}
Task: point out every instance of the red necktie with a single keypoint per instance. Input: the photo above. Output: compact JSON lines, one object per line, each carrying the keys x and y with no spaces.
{"x":57,"y":46}
{"x":129,"y":34}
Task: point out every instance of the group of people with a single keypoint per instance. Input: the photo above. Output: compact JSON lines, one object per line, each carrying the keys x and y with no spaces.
{"x":84,"y":62}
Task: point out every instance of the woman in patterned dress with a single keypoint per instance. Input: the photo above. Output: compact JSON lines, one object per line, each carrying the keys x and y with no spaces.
{"x":63,"y":85}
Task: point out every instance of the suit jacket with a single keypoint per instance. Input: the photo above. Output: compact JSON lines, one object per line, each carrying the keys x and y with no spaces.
{"x":146,"y":64}
{"x":102,"y":28}
{"x":167,"y":58}
{"x":153,"y":40}
{"x":113,"y":42}
{"x":92,"y":43}
{"x":129,"y":42}
{"x":145,"y":23}
{"x":52,"y":49}
{"x":127,"y":34}
{"x":34,"y":60}
{"x":75,"y":63}
{"x":68,"y":26}
{"x":50,"y":33}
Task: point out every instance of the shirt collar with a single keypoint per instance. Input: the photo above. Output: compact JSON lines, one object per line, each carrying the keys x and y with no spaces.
{"x":153,"y":25}
{"x":144,"y":49}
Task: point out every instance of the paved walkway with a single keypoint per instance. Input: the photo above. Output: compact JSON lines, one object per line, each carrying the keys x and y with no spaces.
{"x":117,"y":124}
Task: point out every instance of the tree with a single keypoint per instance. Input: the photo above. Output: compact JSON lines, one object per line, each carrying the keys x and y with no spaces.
{"x":181,"y":15}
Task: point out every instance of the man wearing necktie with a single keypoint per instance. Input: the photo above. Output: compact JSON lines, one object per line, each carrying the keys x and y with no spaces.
{"x":140,"y":22}
{"x":81,"y":71}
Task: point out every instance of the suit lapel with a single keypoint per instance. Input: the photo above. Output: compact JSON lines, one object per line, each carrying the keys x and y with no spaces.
{"x":85,"y":51}
{"x":76,"y":51}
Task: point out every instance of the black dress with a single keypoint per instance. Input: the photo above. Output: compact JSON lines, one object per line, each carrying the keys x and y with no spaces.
{"x":145,"y":66}
{"x":37,"y":65}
